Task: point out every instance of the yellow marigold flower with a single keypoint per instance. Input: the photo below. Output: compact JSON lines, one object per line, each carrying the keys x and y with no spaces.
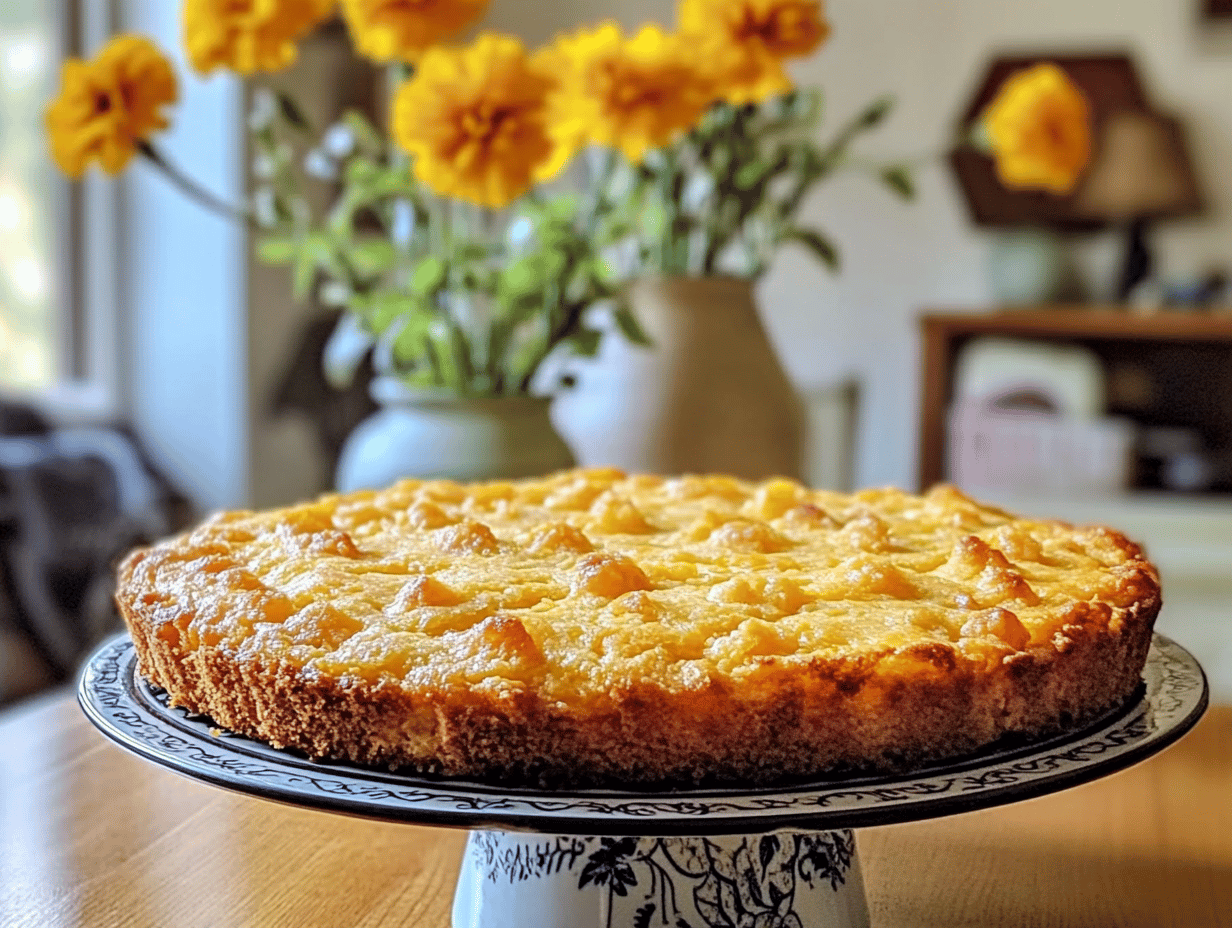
{"x":568,"y":137}
{"x":747,"y":41}
{"x":1039,"y":126}
{"x":247,"y":36}
{"x":402,"y":30}
{"x":633,"y":94}
{"x":108,"y":105}
{"x":475,"y":119}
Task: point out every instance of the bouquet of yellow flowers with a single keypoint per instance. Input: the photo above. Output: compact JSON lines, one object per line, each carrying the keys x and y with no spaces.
{"x":455,"y":243}
{"x":448,"y":245}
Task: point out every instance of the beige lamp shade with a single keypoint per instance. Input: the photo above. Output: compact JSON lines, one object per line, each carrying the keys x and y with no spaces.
{"x":1141,"y":170}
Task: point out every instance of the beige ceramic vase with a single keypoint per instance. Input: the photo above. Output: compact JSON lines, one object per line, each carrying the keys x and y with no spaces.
{"x":433,"y":435}
{"x":708,"y":396}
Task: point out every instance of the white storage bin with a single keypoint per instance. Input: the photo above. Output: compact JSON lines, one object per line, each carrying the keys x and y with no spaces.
{"x":1038,"y":452}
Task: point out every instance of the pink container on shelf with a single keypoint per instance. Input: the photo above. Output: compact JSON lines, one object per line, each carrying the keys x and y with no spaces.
{"x":1032,"y":451}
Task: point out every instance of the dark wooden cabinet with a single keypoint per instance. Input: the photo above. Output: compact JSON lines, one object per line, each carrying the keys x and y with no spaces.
{"x":1181,"y":363}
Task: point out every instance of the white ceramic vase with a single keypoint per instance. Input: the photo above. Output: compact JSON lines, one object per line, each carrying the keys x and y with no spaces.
{"x":785,"y":879}
{"x":708,"y":396}
{"x":433,"y":435}
{"x":1027,"y":267}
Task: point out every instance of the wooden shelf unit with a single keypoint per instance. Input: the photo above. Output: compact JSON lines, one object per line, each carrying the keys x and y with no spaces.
{"x":945,"y":332}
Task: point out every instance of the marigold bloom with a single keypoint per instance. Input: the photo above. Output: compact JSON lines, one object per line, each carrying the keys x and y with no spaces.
{"x":632,"y":94}
{"x":475,"y":119}
{"x":247,"y":36}
{"x":402,"y":30}
{"x":108,"y":105}
{"x":568,"y":136}
{"x":747,"y":41}
{"x":1039,"y":126}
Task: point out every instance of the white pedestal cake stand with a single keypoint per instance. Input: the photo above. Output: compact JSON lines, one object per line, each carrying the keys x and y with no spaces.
{"x":781,"y":857}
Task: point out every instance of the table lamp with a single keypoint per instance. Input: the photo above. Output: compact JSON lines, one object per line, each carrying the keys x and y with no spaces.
{"x":1141,"y":172}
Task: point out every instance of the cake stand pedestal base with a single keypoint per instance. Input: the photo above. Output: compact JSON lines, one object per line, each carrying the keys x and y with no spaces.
{"x":784,"y":879}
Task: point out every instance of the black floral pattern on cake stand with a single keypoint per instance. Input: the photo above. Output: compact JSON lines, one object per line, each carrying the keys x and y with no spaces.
{"x":760,"y":857}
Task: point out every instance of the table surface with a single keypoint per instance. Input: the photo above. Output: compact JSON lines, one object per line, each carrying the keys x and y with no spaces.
{"x":91,"y":836}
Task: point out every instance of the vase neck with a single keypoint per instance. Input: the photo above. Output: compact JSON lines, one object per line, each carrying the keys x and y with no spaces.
{"x":694,"y":290}
{"x":389,"y":391}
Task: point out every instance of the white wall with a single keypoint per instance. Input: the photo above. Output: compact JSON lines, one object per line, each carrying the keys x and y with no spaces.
{"x":900,"y":258}
{"x":192,"y":374}
{"x":183,"y":287}
{"x":284,"y":456}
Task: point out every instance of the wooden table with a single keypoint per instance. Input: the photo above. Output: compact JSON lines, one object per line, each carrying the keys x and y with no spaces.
{"x":90,"y":836}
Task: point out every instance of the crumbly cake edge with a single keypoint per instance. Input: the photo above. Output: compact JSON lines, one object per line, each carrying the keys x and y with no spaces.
{"x":888,"y":711}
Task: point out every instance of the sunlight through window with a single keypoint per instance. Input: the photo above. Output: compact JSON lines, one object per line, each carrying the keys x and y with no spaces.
{"x":29,"y":316}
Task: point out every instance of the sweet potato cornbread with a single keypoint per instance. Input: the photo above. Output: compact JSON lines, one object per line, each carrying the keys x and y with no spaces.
{"x":591,"y":627}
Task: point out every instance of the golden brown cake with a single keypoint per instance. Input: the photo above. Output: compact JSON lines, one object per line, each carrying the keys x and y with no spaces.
{"x":591,"y":627}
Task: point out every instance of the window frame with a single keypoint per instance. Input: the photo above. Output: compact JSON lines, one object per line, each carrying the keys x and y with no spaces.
{"x":86,"y":251}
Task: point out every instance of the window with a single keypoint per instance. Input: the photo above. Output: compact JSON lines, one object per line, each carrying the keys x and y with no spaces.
{"x":31,"y":357}
{"x":58,"y":272}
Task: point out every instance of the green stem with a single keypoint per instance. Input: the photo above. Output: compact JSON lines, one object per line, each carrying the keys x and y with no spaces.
{"x":436,"y":226}
{"x":671,"y":185}
{"x":913,"y":162}
{"x":854,"y":127}
{"x":438,"y":374}
{"x":395,"y":76}
{"x":190,"y":187}
{"x":606,"y":172}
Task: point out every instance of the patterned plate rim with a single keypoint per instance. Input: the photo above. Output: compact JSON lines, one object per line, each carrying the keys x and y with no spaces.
{"x":1170,"y":702}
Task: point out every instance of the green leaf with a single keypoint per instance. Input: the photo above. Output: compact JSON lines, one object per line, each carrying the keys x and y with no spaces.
{"x":366,"y":133}
{"x":722,"y":160}
{"x":410,"y":347}
{"x":898,"y":178}
{"x":876,"y":111}
{"x":791,"y":113}
{"x":381,"y":310}
{"x":428,"y":276}
{"x":584,"y":342}
{"x":520,"y":279}
{"x":630,"y":327}
{"x":411,"y":343}
{"x":824,"y":249}
{"x":751,"y":174}
{"x":292,"y":113}
{"x":556,"y":264}
{"x":563,"y":208}
{"x":607,"y":275}
{"x":581,"y":285}
{"x":518,"y":309}
{"x":373,"y":256}
{"x":620,"y":185}
{"x":468,"y":250}
{"x":653,"y":221}
{"x":716,"y":120}
{"x":368,"y":185}
{"x":272,"y":249}
{"x":808,"y":105}
{"x":360,"y":172}
{"x":528,"y":346}
{"x":498,"y":343}
{"x":783,"y":105}
{"x":448,"y":362}
{"x":460,"y":353}
{"x":314,"y":250}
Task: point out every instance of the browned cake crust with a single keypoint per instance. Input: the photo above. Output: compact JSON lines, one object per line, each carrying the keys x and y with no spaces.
{"x":589,"y":628}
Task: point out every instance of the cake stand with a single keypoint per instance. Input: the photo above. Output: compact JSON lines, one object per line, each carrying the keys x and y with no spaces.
{"x":781,"y":857}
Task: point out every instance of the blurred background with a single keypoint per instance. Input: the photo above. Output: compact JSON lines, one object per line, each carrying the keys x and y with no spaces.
{"x":151,"y":370}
